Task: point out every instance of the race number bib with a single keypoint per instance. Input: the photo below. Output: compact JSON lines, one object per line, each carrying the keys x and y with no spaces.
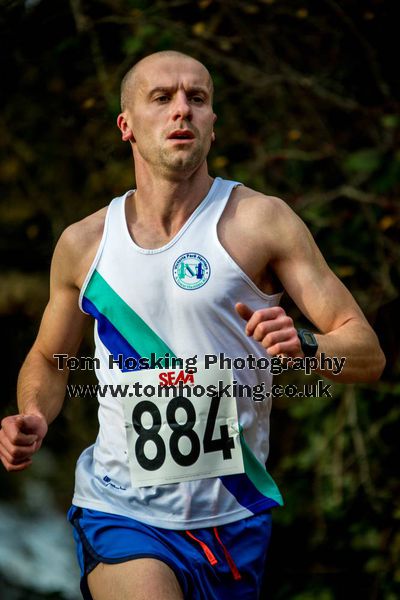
{"x":182,"y":434}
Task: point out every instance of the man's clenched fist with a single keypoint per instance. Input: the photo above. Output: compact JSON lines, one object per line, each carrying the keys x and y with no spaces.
{"x":272,"y":328}
{"x":20,"y":437}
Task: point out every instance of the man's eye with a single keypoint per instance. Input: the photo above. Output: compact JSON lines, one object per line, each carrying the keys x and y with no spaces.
{"x":162,"y":99}
{"x":197,"y":99}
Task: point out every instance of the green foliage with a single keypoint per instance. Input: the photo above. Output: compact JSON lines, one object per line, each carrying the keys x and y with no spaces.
{"x":363,"y":161}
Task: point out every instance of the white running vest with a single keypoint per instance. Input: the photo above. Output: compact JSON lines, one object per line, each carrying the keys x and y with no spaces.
{"x":174,"y":301}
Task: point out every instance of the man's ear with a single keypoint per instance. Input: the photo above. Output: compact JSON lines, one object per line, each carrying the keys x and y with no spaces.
{"x":213,"y":133}
{"x":127,"y":134}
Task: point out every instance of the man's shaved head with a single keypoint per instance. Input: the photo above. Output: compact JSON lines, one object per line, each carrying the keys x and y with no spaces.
{"x":129,"y":81}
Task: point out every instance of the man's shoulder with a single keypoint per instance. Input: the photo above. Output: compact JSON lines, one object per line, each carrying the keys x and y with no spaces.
{"x":82,"y":235}
{"x":258,"y":207}
{"x":86,"y":231}
{"x":77,"y":247}
{"x":266,"y":223}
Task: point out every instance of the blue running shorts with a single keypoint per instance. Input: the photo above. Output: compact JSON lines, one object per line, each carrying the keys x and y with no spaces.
{"x":213,"y":563}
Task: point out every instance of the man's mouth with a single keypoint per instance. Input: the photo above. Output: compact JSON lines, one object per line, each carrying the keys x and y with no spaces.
{"x":181,"y":134}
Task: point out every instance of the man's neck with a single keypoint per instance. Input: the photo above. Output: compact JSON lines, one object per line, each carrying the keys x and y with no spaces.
{"x":166,"y":204}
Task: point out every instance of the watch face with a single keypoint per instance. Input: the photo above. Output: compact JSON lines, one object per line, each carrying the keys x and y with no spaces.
{"x":309,"y":338}
{"x":309,"y":344}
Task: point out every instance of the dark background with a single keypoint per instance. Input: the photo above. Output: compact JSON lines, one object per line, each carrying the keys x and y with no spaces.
{"x":307,"y":97}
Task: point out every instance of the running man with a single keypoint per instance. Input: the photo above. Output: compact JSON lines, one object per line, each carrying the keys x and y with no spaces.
{"x":173,"y":500}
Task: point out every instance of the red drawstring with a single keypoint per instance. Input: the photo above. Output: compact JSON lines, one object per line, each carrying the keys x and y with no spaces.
{"x":210,"y":556}
{"x":229,"y":559}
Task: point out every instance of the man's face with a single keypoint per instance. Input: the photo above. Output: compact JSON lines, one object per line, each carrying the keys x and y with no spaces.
{"x":170,"y":114}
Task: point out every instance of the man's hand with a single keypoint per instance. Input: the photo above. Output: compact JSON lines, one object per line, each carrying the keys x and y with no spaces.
{"x":20,"y":437}
{"x":272,"y":328}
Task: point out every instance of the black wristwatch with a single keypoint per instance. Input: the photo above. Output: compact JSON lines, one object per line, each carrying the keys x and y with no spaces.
{"x":308,"y":342}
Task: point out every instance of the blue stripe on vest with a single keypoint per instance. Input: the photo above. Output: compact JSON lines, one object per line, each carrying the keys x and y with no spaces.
{"x":115,"y":343}
{"x":245,"y":492}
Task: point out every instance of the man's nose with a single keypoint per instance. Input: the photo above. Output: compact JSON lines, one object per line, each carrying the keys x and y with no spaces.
{"x":182,"y":108}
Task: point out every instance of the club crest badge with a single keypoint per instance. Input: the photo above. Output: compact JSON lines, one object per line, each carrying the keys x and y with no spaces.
{"x":191,"y":271}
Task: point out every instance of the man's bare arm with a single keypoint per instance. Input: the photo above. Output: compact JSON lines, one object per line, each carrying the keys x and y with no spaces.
{"x":41,"y":385}
{"x":342,"y":329}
